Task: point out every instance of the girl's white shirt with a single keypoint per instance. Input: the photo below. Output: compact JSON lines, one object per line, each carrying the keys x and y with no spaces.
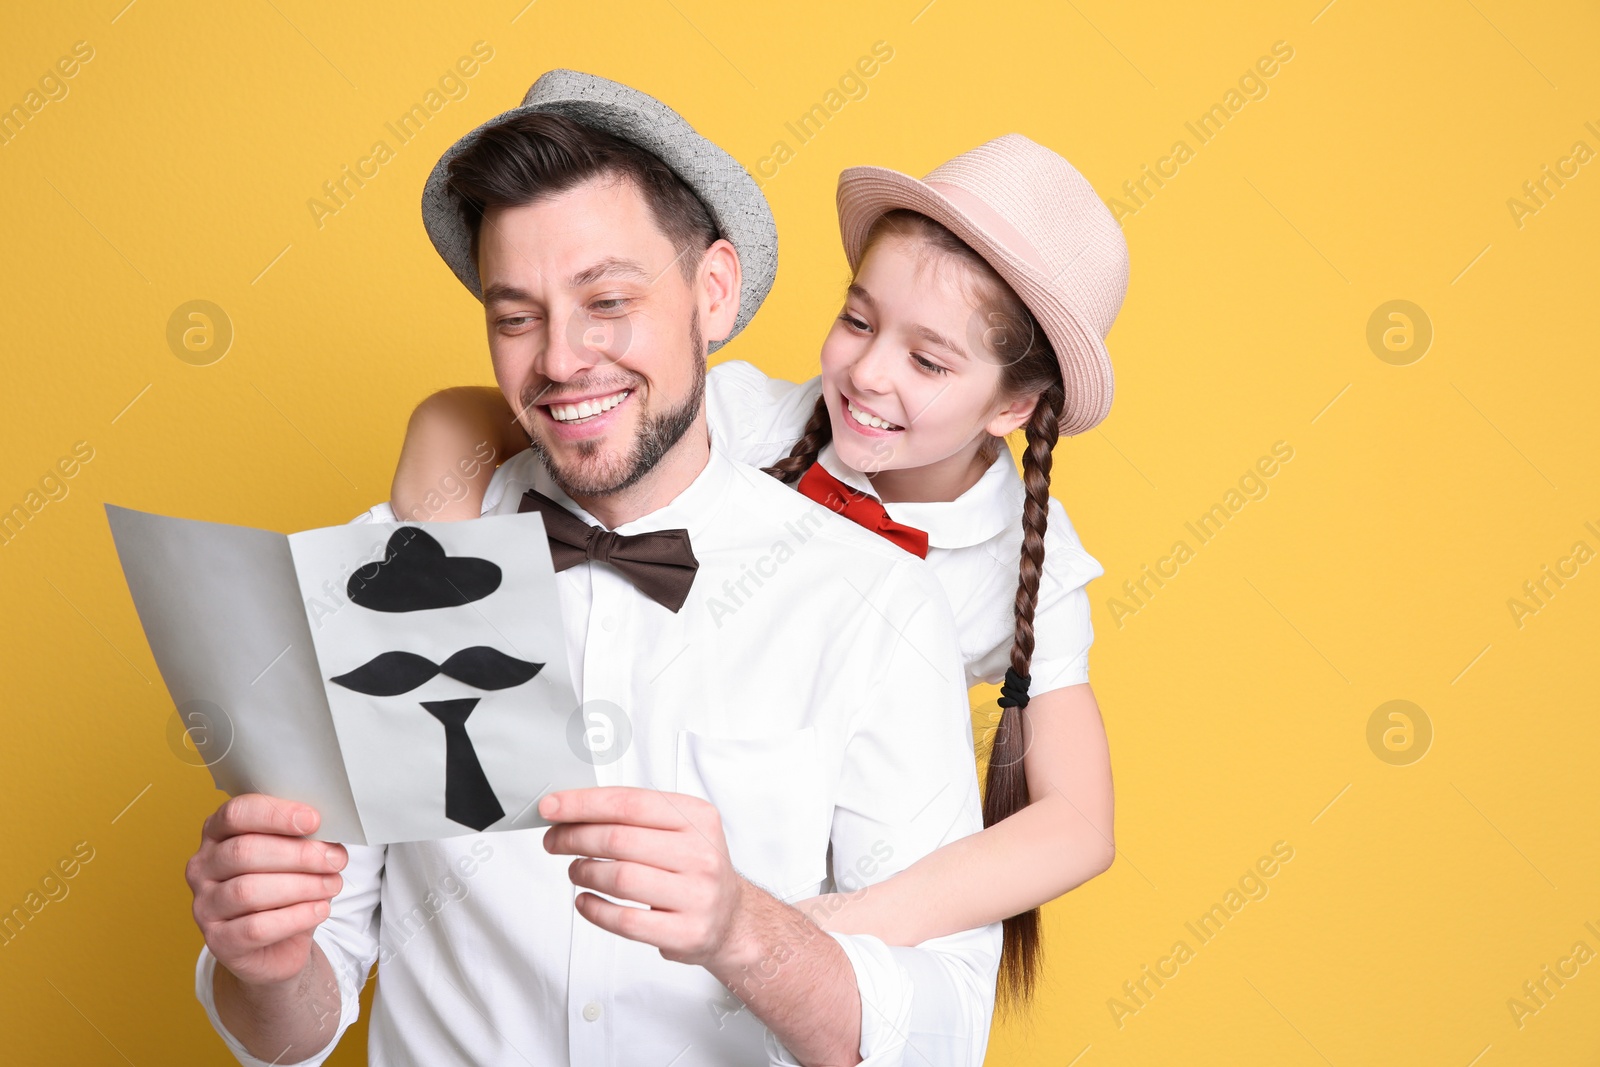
{"x":974,"y":541}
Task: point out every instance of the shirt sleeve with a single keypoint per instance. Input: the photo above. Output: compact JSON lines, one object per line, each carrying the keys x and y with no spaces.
{"x":1062,"y":628}
{"x":348,"y":937}
{"x":492,"y":496}
{"x":909,"y":786}
{"x":377,"y":513}
{"x":753,"y":418}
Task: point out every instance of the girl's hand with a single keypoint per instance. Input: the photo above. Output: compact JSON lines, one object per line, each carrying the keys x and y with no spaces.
{"x":1063,"y":838}
{"x":454,"y":441}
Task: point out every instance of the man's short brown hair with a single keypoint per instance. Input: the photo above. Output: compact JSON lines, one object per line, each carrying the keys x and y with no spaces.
{"x":539,"y":154}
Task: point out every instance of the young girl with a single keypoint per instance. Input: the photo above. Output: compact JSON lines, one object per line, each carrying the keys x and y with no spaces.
{"x":978,"y":305}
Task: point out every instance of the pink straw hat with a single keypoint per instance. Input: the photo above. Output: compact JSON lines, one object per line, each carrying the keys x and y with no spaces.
{"x":1040,"y":225}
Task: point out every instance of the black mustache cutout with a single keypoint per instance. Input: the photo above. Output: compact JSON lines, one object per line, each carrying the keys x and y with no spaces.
{"x":392,"y":673}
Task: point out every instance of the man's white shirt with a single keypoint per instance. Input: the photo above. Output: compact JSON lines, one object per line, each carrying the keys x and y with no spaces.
{"x":812,"y":689}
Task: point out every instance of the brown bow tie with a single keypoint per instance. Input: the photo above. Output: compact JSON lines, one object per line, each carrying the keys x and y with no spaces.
{"x":660,"y":564}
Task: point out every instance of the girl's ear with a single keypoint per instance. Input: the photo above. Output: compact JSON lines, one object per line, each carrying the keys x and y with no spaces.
{"x":1015,"y":414}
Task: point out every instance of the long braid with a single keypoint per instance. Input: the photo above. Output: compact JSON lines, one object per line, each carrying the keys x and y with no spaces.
{"x":817,"y":434}
{"x":1007,"y":789}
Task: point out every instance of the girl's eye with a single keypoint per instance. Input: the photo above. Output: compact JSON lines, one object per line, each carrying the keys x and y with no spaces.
{"x":851,"y":321}
{"x":929,"y":365}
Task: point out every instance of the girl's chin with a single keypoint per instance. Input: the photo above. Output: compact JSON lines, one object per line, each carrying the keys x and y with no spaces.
{"x":865,"y":459}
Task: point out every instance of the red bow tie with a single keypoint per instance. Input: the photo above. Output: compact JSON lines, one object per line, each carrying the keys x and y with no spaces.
{"x":861,"y":509}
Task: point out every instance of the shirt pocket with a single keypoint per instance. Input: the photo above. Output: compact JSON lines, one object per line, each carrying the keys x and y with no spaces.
{"x":770,"y":795}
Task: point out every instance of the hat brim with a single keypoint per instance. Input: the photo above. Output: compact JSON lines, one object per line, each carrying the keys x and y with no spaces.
{"x":738,"y":208}
{"x":867,"y":193}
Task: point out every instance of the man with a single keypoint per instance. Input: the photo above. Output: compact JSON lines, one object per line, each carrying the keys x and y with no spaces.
{"x":818,"y":740}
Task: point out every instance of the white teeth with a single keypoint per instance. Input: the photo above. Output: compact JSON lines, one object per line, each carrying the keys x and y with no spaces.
{"x":869,"y":420}
{"x":586,"y":408}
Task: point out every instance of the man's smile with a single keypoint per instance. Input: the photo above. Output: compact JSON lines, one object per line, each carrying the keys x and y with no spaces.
{"x":572,"y":411}
{"x":585,"y":418}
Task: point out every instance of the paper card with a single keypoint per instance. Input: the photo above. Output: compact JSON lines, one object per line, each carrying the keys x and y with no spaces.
{"x":408,"y":680}
{"x":446,"y":671}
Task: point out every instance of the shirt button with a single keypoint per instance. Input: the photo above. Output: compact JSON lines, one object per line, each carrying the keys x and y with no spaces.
{"x":608,"y":623}
{"x":591,"y":1011}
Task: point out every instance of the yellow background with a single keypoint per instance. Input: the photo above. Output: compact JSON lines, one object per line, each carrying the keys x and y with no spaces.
{"x":1379,"y":566}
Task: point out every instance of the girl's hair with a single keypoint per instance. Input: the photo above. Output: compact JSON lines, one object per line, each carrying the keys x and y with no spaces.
{"x":1028,"y":366}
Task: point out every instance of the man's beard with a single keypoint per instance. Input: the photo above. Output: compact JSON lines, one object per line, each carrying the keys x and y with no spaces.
{"x":656,"y":436}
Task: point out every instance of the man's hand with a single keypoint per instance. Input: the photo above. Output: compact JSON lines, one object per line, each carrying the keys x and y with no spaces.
{"x":664,"y":850}
{"x":260,"y":888}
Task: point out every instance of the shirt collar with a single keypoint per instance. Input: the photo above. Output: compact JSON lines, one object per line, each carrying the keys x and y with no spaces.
{"x":989,"y":507}
{"x":694,"y":509}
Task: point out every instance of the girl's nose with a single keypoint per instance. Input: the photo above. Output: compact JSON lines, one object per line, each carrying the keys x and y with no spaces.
{"x":870,"y":373}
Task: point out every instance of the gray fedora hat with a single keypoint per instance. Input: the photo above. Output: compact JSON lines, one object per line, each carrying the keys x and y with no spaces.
{"x":738,"y":207}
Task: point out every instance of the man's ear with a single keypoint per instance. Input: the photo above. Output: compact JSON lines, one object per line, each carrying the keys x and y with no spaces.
{"x":719,"y":282}
{"x":1013,"y":415}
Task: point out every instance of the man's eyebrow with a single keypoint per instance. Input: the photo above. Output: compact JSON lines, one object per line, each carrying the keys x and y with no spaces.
{"x":510,"y":293}
{"x":611,"y":267}
{"x":927,"y":333}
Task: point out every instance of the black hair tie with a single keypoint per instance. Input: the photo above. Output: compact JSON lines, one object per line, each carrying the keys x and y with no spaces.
{"x":1014,"y":690}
